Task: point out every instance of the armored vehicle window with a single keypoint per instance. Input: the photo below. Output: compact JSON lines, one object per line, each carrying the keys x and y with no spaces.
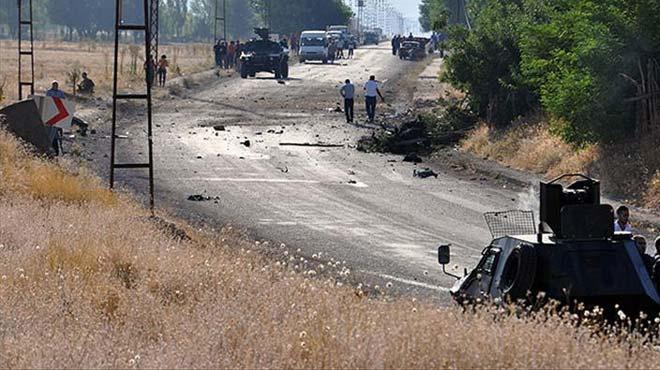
{"x":488,"y":263}
{"x":262,"y":46}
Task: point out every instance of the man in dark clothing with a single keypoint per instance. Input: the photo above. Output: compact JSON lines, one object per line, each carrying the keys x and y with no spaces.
{"x":220,"y":50}
{"x":86,"y":86}
{"x":348,"y":93}
{"x":395,"y":44}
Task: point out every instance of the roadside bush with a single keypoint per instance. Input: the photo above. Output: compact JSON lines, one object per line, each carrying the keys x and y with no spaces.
{"x":485,"y":62}
{"x":573,"y":61}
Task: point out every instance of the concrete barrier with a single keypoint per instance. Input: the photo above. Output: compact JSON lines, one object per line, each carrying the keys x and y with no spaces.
{"x":24,"y":121}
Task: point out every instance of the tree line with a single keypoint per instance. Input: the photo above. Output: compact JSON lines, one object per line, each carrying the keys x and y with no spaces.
{"x":181,"y":20}
{"x":590,"y":65}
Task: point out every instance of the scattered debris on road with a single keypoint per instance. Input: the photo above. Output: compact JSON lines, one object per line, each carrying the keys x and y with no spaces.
{"x":320,"y":145}
{"x":424,"y":173}
{"x":219,"y":128}
{"x":413,"y":158}
{"x":201,"y":198}
{"x":246,"y":143}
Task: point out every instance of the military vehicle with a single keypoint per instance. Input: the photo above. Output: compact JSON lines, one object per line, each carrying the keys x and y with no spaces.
{"x":575,"y":256}
{"x":264,"y":55}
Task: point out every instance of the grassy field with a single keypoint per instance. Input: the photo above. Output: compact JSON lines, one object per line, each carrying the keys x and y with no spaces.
{"x":55,"y":60}
{"x":87,"y":279}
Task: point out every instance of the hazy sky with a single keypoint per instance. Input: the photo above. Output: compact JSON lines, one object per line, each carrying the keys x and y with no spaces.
{"x":410,"y":8}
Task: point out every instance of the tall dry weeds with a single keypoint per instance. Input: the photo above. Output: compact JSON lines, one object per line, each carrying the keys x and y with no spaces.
{"x":90,"y":283}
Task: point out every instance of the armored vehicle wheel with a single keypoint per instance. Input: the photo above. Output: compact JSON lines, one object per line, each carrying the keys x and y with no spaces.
{"x":302,"y":60}
{"x":278,"y":75}
{"x":284,"y":70}
{"x":519,"y":271}
{"x":244,"y":71}
{"x":325,"y":61}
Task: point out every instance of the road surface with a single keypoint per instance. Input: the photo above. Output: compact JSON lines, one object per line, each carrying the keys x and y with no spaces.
{"x":365,"y":209}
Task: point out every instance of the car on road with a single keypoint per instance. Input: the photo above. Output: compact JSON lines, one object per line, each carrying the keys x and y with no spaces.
{"x":412,"y":50}
{"x":574,"y":257}
{"x":313,"y":46}
{"x":264,"y":55}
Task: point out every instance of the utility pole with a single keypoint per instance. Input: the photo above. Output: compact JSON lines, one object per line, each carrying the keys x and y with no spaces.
{"x":154,"y":25}
{"x":222,"y":19}
{"x":24,"y":52}
{"x":268,"y":13}
{"x":150,"y":70}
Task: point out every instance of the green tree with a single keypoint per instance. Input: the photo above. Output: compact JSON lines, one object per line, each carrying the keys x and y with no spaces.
{"x":575,"y":61}
{"x":434,"y":15}
{"x":288,"y":16}
{"x":485,"y":62}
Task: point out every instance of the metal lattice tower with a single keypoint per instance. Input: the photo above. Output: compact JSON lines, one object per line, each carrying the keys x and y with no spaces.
{"x":150,"y":71}
{"x":25,"y":52}
{"x":153,"y":23}
{"x":222,"y":19}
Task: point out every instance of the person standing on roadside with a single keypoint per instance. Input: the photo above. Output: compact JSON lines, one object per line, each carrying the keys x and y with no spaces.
{"x":163,"y":64}
{"x":55,"y":133}
{"x":396,"y":44}
{"x":372,"y":92}
{"x":351,"y":48}
{"x":150,"y":70}
{"x":348,"y":93}
{"x":237,"y":53}
{"x":622,"y":222}
{"x":54,"y":91}
{"x":231,"y":54}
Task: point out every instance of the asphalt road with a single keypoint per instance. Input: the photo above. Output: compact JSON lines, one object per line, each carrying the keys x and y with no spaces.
{"x":365,"y":209}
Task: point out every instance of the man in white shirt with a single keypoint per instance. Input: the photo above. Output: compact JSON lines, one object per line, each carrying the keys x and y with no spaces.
{"x":348,"y":93}
{"x":622,"y":222}
{"x":371,"y":94}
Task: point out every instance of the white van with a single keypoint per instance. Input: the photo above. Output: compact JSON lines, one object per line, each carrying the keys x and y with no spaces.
{"x":313,"y":46}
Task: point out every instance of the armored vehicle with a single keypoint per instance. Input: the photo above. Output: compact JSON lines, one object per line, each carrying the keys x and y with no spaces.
{"x":413,"y":49}
{"x":264,"y":55}
{"x":575,"y":256}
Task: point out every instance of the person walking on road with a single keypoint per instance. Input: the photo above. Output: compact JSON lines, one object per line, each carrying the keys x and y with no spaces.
{"x":348,"y":93}
{"x":372,"y":92}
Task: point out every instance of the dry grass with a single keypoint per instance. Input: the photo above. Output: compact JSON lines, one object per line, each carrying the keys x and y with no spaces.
{"x":628,"y":171}
{"x":652,"y":196}
{"x":90,"y":283}
{"x":54,"y":59}
{"x":530,"y":148}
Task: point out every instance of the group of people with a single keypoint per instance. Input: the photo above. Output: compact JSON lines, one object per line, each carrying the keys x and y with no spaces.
{"x":435,"y":42}
{"x":622,"y":224}
{"x":336,"y":49}
{"x":227,"y":53}
{"x":397,"y":40}
{"x":371,"y":94}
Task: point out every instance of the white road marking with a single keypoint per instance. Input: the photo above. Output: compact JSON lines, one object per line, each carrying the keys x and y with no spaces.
{"x":406,"y":281}
{"x":233,"y":179}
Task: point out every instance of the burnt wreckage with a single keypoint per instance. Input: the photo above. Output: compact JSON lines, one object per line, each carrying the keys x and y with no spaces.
{"x":574,"y":257}
{"x":264,"y":55}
